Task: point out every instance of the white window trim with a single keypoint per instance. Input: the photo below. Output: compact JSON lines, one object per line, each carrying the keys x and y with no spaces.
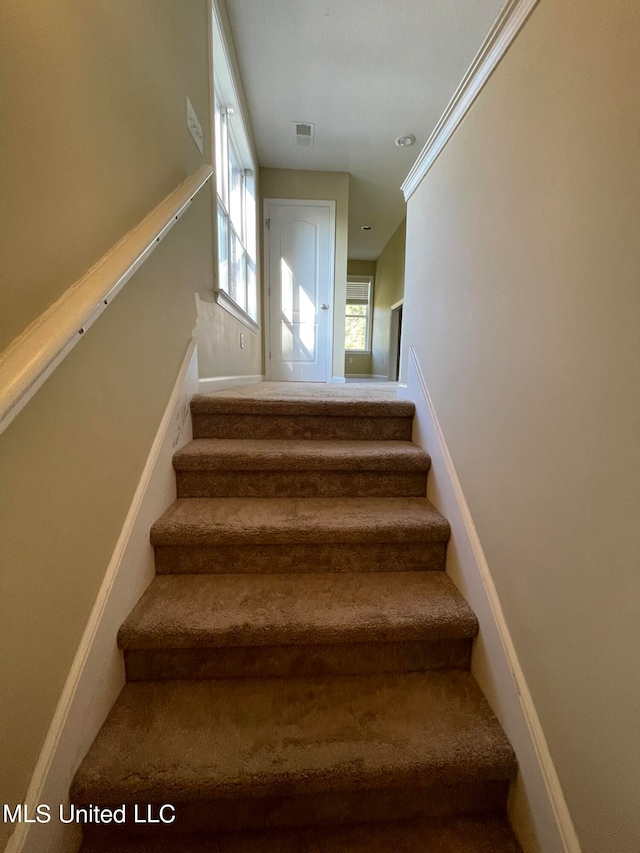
{"x":370,"y":280}
{"x":222,"y":86}
{"x":225,"y":301}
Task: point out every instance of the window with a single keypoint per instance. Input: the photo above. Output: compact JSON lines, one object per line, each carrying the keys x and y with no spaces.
{"x":358,"y":314}
{"x":235,"y":192}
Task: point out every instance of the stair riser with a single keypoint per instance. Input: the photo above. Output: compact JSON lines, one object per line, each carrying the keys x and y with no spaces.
{"x":312,"y":557}
{"x":471,"y":834}
{"x":277,"y":661}
{"x":301,"y":484}
{"x":302,"y":427}
{"x":403,"y":803}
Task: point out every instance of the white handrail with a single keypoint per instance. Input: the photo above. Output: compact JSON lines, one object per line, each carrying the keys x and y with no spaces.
{"x":33,"y":356}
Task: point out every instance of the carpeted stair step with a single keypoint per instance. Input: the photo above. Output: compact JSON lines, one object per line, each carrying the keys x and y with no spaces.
{"x":456,"y":835}
{"x":221,"y":626}
{"x":287,"y":468}
{"x":277,"y":535}
{"x":223,"y":415}
{"x":258,"y":753}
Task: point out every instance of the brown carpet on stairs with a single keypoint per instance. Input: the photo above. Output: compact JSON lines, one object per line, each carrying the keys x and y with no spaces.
{"x":275,"y":392}
{"x":218,"y":467}
{"x":275,"y":521}
{"x":258,"y":610}
{"x":276,"y":455}
{"x":298,"y":670}
{"x":457,"y":835}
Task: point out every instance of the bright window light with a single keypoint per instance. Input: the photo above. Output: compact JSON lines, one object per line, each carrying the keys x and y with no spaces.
{"x":358,"y":314}
{"x":235,"y":189}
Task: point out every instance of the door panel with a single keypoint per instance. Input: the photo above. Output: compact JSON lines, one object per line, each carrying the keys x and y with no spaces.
{"x":299,"y":241}
{"x":300,"y":267}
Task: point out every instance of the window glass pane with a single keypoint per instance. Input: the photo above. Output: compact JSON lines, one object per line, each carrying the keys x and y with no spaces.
{"x":238,"y":286}
{"x":356,"y":333}
{"x":223,"y":251}
{"x":235,"y":191}
{"x":221,"y":154}
{"x":237,"y":208}
{"x":252,"y":290}
{"x":250,"y":217}
{"x":358,"y":315}
{"x":357,"y":310}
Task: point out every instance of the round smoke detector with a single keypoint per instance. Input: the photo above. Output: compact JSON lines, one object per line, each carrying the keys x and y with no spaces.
{"x":405,"y":141}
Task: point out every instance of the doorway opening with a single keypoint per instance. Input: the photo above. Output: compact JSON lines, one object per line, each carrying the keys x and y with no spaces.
{"x":395,"y":334}
{"x":375,"y":295}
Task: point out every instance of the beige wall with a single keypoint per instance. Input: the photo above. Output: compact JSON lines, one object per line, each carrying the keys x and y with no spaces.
{"x":357,"y":267}
{"x":93,"y":136}
{"x":389,"y":289}
{"x":88,"y":150}
{"x":359,"y":362}
{"x":334,"y":186}
{"x":523,"y":303}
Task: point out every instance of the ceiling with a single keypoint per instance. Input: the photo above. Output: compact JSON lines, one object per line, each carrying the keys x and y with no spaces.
{"x":365,"y":72}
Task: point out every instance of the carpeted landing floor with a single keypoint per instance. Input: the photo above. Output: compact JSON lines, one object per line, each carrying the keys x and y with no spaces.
{"x":298,"y":671}
{"x":280,"y":391}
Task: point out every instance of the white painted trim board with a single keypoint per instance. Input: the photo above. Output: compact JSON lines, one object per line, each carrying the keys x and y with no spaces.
{"x":505,"y":29}
{"x":537,"y":808}
{"x":32,"y":357}
{"x":209,"y":384}
{"x":377,"y":377}
{"x":97,"y":673}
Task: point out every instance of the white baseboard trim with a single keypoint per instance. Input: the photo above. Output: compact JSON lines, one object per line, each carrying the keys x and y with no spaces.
{"x":219,"y":383}
{"x":339,"y":380}
{"x":97,"y":673}
{"x":537,"y":807}
{"x":380,"y":377}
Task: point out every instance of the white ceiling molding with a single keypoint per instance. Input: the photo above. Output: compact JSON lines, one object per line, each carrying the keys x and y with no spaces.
{"x":364,"y":75}
{"x":506,"y":28}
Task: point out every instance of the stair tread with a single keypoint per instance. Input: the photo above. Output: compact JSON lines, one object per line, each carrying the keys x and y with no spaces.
{"x":456,"y":835}
{"x":256,"y":610}
{"x":262,"y":521}
{"x":354,"y":405}
{"x":183,"y":740}
{"x":208,"y":454}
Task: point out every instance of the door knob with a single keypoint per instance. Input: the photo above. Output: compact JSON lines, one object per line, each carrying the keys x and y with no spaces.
{"x":323,"y":306}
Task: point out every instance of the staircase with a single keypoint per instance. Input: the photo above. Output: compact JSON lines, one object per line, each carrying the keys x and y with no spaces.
{"x":298,"y":671}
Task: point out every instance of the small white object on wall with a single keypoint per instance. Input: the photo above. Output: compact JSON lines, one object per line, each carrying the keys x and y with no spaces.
{"x":195,"y":128}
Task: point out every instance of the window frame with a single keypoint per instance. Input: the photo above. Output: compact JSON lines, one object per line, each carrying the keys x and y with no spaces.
{"x":231,"y":143}
{"x":360,"y":279}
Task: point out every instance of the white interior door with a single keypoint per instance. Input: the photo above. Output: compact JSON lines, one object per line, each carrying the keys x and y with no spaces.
{"x":299,"y":239}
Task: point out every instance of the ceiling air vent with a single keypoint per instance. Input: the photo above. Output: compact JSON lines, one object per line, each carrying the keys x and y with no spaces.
{"x":304,"y":132}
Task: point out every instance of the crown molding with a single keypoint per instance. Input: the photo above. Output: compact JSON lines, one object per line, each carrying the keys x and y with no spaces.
{"x":505,"y":29}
